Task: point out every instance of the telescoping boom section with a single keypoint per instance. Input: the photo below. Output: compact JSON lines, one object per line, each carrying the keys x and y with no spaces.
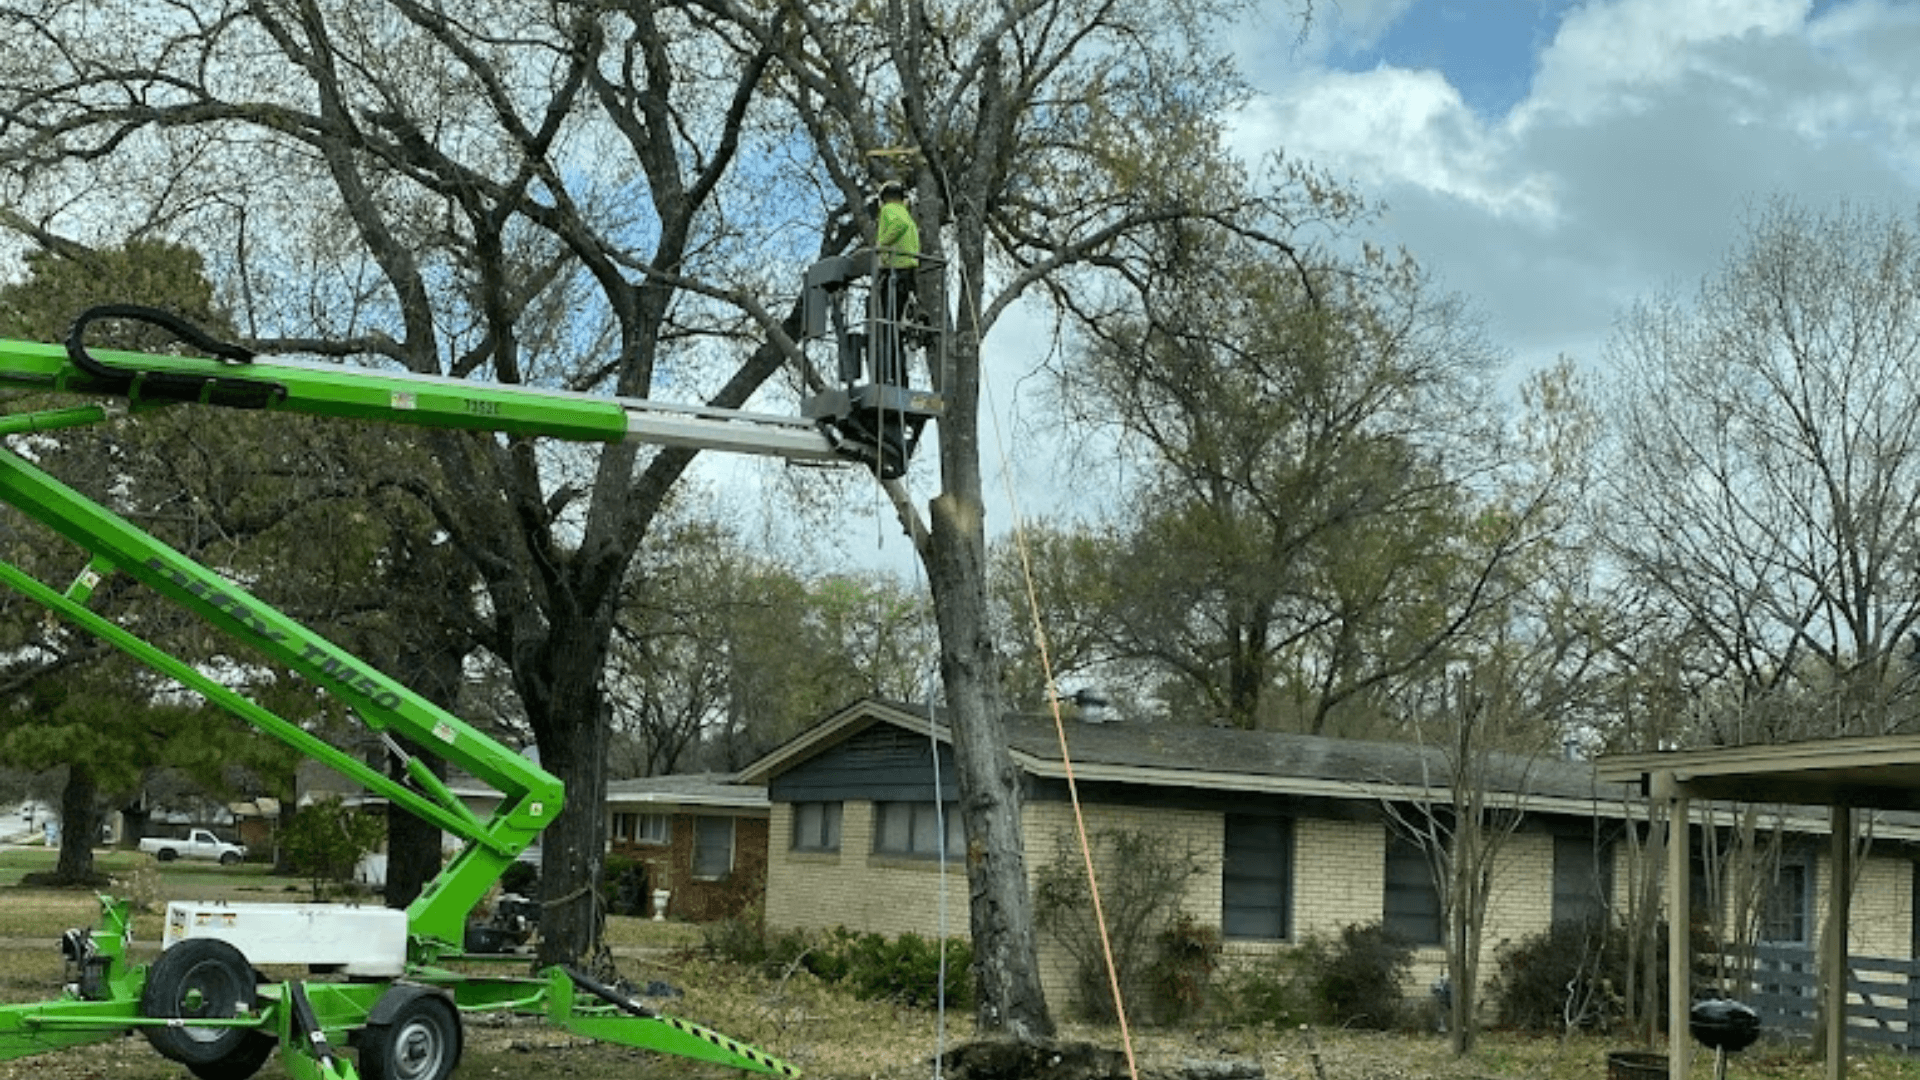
{"x":400,"y":980}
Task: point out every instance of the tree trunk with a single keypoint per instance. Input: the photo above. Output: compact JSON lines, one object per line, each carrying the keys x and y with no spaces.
{"x":1463,"y":946}
{"x":79,"y":822}
{"x":572,"y":850}
{"x":413,"y":845}
{"x":1011,"y":1000}
{"x":1005,"y":960}
{"x":570,"y":723}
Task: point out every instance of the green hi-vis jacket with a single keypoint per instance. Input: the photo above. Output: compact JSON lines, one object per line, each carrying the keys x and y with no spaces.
{"x":898,"y":237}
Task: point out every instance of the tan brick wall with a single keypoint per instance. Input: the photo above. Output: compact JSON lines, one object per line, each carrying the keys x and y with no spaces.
{"x":856,"y":889}
{"x":1339,"y":874}
{"x":1521,"y":903}
{"x":1339,"y":879}
{"x":1882,"y":921}
{"x":1352,"y":889}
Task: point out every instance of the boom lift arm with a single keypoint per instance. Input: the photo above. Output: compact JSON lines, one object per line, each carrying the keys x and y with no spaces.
{"x":199,"y":1006}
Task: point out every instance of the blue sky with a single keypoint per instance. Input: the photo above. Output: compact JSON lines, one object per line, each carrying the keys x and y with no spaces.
{"x":1555,"y":160}
{"x":1485,"y":48}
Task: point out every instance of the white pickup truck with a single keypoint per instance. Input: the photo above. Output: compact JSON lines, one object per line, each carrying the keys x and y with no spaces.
{"x":199,"y":844}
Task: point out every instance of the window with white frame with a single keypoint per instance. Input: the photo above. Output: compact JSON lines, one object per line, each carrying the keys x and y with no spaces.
{"x":816,"y":826}
{"x":712,"y":847}
{"x":643,"y":828}
{"x":912,"y":829}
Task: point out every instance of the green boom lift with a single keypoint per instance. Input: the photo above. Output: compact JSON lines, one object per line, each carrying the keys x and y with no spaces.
{"x":203,"y":1002}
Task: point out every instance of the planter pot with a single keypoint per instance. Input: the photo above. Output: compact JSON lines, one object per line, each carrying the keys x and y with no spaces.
{"x":660,"y":898}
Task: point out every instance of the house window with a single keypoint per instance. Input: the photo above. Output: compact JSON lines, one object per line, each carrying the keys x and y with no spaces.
{"x":1582,"y":879}
{"x":1256,"y":877}
{"x":643,"y":828}
{"x":816,"y":826}
{"x":1784,"y":918}
{"x":1784,"y":966}
{"x":913,"y":829}
{"x":712,"y":847}
{"x":1411,"y":907}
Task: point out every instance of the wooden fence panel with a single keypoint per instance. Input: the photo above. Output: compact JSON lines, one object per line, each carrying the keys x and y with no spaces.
{"x":1883,"y":995}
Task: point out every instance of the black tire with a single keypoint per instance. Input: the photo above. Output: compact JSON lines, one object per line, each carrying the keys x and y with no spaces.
{"x":228,"y":858}
{"x":201,"y":977}
{"x":166,"y":854}
{"x":420,"y":1041}
{"x":246,"y":1060}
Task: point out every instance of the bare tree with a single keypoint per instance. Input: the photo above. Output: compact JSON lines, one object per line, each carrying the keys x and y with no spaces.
{"x":1490,"y":723}
{"x":1765,"y":478}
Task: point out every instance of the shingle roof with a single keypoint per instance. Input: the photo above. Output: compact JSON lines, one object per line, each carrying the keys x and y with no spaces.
{"x":1215,"y":752}
{"x":1217,"y":758}
{"x":689,"y":789}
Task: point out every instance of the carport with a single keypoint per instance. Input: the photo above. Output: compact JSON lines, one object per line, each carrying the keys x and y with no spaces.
{"x":1844,"y":775}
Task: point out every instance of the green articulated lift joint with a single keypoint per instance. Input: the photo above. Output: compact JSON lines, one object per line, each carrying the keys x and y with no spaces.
{"x":311,"y":1021}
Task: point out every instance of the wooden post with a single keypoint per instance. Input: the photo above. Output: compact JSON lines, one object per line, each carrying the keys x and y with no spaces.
{"x":1833,"y":964}
{"x":1679,"y":924}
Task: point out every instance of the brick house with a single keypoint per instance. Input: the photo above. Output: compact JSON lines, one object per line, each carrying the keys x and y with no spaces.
{"x":700,"y":838}
{"x":1297,"y":829}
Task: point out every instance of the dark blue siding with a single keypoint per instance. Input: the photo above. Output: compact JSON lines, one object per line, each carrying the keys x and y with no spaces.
{"x":883,"y":763}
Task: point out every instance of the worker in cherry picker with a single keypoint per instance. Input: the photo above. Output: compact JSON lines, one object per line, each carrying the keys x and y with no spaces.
{"x":896,"y":259}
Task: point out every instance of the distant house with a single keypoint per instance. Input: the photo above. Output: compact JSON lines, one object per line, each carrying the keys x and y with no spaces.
{"x":1295,"y":828}
{"x":700,"y":838}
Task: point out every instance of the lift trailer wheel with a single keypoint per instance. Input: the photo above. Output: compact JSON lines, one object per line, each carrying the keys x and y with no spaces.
{"x":206,"y":979}
{"x":419,"y":1039}
{"x":244,"y":1061}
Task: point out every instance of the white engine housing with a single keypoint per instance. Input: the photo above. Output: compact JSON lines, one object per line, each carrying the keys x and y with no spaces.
{"x":357,"y":940}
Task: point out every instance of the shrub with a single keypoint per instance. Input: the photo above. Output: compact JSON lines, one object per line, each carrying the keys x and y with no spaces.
{"x":1180,"y":974}
{"x":1574,"y":975}
{"x":623,"y":884}
{"x":522,"y":878}
{"x":1357,"y":978}
{"x":1563,"y":977}
{"x":738,"y":939}
{"x":1272,"y":990}
{"x":326,"y":840}
{"x":1142,"y":878}
{"x":906,"y":969}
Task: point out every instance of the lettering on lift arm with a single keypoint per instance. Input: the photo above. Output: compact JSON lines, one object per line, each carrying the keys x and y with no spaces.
{"x":333,"y":667}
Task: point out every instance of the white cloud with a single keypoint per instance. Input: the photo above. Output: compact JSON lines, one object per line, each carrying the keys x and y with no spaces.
{"x":1650,"y":129}
{"x":1393,"y":126}
{"x":1624,"y":55}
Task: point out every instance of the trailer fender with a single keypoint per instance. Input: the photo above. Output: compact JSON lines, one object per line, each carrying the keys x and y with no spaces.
{"x":397,"y":998}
